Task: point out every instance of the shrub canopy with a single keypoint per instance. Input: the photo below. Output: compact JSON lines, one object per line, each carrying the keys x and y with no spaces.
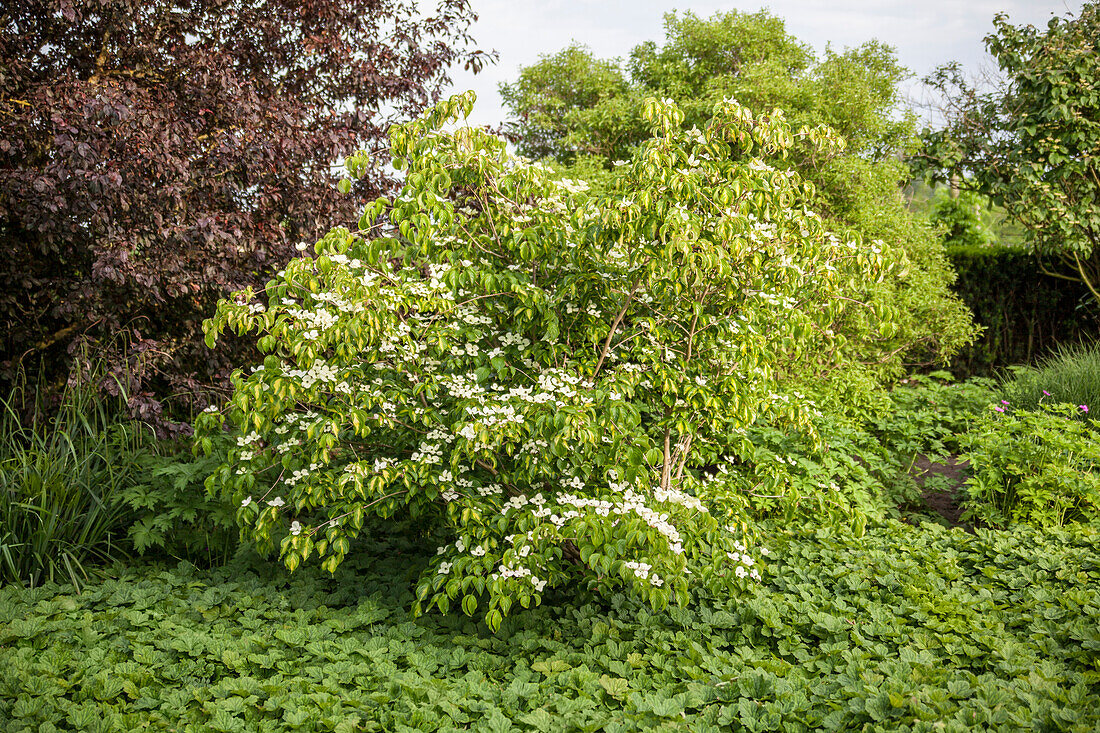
{"x":539,"y":373}
{"x":586,"y":113}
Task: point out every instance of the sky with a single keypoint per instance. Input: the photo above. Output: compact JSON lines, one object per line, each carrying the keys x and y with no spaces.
{"x":925,"y":33}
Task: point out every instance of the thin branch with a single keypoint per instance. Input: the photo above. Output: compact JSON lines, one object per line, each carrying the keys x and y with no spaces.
{"x":614,"y":327}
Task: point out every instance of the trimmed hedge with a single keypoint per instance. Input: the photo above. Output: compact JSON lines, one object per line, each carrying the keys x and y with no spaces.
{"x":1026,"y":313}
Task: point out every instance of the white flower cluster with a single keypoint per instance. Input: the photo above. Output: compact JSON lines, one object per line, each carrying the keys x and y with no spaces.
{"x":463,"y":386}
{"x":287,"y":444}
{"x":316,"y":321}
{"x":617,"y":486}
{"x":341,"y":259}
{"x":515,"y":502}
{"x":602,"y":508}
{"x":245,"y":440}
{"x":675,"y":496}
{"x":533,"y":447}
{"x":591,"y":309}
{"x":514,"y":339}
{"x":744,"y":561}
{"x":491,"y":415}
{"x":429,"y":453}
{"x":506,"y":571}
{"x":644,"y":571}
{"x":636,"y":503}
{"x":571,"y":185}
{"x":296,"y":419}
{"x":558,"y":520}
{"x":296,"y":476}
{"x":557,"y":380}
{"x":319,"y":372}
{"x":469,"y":315}
{"x":341,"y":304}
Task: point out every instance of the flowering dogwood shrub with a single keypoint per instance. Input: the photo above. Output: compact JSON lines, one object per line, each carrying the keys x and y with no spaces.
{"x":542,"y":374}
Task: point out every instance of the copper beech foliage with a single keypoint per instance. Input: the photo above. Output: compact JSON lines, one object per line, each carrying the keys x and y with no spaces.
{"x":155,"y":156}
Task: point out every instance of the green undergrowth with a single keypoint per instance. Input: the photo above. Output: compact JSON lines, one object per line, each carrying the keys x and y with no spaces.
{"x":902,"y":629}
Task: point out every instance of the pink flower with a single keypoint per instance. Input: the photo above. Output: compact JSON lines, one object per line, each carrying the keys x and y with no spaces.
{"x":998,"y":408}
{"x":1045,"y":393}
{"x":1004,"y":402}
{"x":1084,"y":408}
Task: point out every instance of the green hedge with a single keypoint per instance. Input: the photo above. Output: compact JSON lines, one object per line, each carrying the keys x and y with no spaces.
{"x":1026,"y":313}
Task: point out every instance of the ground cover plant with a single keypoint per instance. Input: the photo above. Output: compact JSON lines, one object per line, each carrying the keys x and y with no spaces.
{"x":1039,"y":466}
{"x":928,"y":414}
{"x":850,"y":477}
{"x":171,"y":513}
{"x":920,"y":629}
{"x":544,"y":372}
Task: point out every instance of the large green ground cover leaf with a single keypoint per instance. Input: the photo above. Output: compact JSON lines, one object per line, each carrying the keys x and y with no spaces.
{"x":903,"y":629}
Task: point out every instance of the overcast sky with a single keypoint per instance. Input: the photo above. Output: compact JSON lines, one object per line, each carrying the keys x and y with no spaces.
{"x":925,"y":33}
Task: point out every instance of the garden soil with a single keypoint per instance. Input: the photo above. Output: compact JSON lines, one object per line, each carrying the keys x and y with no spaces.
{"x":941,"y":487}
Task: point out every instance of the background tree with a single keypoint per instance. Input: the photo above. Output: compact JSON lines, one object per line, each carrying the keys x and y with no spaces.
{"x":961,"y":218}
{"x":585,"y":113}
{"x":1032,"y":141}
{"x":155,"y":156}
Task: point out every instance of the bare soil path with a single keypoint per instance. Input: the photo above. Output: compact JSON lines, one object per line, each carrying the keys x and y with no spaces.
{"x":941,"y":487}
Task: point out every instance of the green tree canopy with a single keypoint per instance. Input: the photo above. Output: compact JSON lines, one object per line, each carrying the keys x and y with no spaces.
{"x":585,"y":113}
{"x":1032,"y":143}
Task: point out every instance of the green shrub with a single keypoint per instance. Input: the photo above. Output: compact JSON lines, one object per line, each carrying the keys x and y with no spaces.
{"x":960,"y":219}
{"x":539,"y":372}
{"x":1071,"y":374}
{"x":1039,"y":467}
{"x":61,"y":486}
{"x":847,"y":478}
{"x":174,"y":514}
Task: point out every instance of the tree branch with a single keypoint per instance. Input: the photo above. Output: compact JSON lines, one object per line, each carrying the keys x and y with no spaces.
{"x":614,"y":327}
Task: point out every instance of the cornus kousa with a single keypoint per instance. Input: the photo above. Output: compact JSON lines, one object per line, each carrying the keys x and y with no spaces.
{"x":541,"y":373}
